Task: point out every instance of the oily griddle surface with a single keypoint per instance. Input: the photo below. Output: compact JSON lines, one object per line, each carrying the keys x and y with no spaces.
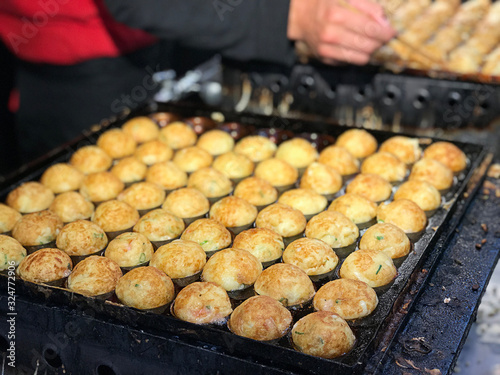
{"x":279,"y":354}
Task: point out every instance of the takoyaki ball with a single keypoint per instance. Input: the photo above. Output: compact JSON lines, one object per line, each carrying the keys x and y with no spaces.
{"x":186,"y":203}
{"x":233,"y":269}
{"x":210,"y":182}
{"x":30,"y":197}
{"x":180,"y":259}
{"x":233,"y":212}
{"x":281,"y":218}
{"x":130,"y":170}
{"x":91,"y":159}
{"x":101,"y":186}
{"x":385,"y":165}
{"x":61,"y":178}
{"x":434,"y":172}
{"x":448,"y":154}
{"x":404,"y":148}
{"x":313,"y":256}
{"x":323,"y":334}
{"x":130,"y":249}
{"x":153,"y":152}
{"x":143,"y":195}
{"x":142,"y":129}
{"x":387,"y":238}
{"x":321,"y":178}
{"x":370,"y":266}
{"x":168,"y":175}
{"x":256,"y":191}
{"x":298,"y":152}
{"x":145,"y":288}
{"x":403,"y":213}
{"x":355,"y":207}
{"x":177,"y":135}
{"x":426,"y":196}
{"x":8,"y":218}
{"x":260,"y":318}
{"x":81,"y":238}
{"x":95,"y":276}
{"x":340,"y":159}
{"x":265,"y":244}
{"x":45,"y":265}
{"x":358,"y":142}
{"x":190,"y":159}
{"x":350,"y":299}
{"x":209,"y":234}
{"x":38,"y":228}
{"x":116,"y":143}
{"x":306,"y":201}
{"x":233,"y":165}
{"x":114,"y":215}
{"x":216,"y":142}
{"x":256,"y":147}
{"x":371,"y":186}
{"x":286,"y":283}
{"x":334,"y":228}
{"x":277,"y":172}
{"x":202,"y":303}
{"x":160,"y":225}
{"x":11,"y":252}
{"x":72,"y":206}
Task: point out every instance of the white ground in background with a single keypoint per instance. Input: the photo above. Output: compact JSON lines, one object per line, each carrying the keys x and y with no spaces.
{"x":481,"y":352}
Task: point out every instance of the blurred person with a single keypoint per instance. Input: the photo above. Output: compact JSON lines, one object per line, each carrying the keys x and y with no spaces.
{"x":82,"y":61}
{"x":74,"y":59}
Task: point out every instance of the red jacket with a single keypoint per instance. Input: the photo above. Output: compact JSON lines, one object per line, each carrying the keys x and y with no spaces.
{"x":65,"y":32}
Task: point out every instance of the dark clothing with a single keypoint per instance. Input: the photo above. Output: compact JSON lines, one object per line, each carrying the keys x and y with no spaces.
{"x":240,"y":29}
{"x":58,"y":102}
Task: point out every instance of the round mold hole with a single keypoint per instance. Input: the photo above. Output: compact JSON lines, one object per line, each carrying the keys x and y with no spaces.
{"x":103,"y":369}
{"x":52,"y":357}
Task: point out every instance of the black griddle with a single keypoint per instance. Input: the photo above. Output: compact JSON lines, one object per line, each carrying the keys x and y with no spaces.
{"x":55,"y":304}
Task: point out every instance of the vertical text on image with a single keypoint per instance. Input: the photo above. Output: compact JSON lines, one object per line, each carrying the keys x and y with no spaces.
{"x":11,"y":314}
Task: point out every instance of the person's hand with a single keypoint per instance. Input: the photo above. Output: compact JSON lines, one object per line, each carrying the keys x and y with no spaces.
{"x":339,"y":30}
